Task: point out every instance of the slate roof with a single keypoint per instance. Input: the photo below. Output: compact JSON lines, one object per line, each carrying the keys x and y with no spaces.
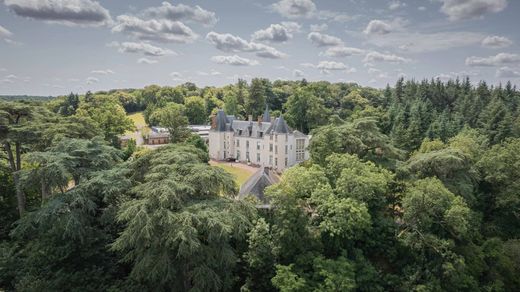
{"x":257,"y":183}
{"x":251,"y":128}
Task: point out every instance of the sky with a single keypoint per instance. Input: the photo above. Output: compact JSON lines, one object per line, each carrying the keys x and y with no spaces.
{"x":53,"y":47}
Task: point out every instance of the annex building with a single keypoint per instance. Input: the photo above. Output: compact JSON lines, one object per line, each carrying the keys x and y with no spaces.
{"x":267,"y":142}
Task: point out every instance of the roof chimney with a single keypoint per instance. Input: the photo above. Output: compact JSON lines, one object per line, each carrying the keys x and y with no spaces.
{"x":250,"y":118}
{"x":213,"y":122}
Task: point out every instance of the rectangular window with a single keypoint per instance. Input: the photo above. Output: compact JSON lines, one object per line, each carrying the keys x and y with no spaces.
{"x":286,"y":137}
{"x":258,"y":157}
{"x":276,"y":138}
{"x":270,"y":159}
{"x":286,"y":149}
{"x":247,"y":144}
{"x":257,"y":145}
{"x":300,"y":149}
{"x":239,"y":132}
{"x":271,"y":137}
{"x":285,"y":161}
{"x":238,"y":154}
{"x":261,"y":134}
{"x":270,"y":147}
{"x":276,"y":161}
{"x":275,"y":149}
{"x":247,"y":156}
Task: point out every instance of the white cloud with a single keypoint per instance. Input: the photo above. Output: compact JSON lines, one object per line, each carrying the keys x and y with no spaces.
{"x":324,"y":40}
{"x":234,"y":60}
{"x":92,"y":80}
{"x":182,"y":12}
{"x":421,"y":8}
{"x":295,"y":8}
{"x":162,"y":30}
{"x":298,"y":73}
{"x":276,"y":33}
{"x":146,"y":61}
{"x":176,"y":74}
{"x":326,"y":66}
{"x":318,"y":27}
{"x":4,"y":32}
{"x":380,"y":57}
{"x":499,"y":59}
{"x":342,"y":51}
{"x":471,"y":9}
{"x":102,"y":72}
{"x":230,"y":43}
{"x":496,"y":42}
{"x":393,"y":5}
{"x":380,"y":27}
{"x":416,"y":42}
{"x":377,"y":26}
{"x":11,"y":76}
{"x":142,"y":48}
{"x":506,"y":72}
{"x":68,"y":12}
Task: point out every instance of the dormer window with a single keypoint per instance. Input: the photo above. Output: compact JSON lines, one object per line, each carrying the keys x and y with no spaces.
{"x":260,"y":134}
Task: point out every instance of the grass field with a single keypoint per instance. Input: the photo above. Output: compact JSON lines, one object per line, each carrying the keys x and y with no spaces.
{"x":240,"y":174}
{"x":139,"y":123}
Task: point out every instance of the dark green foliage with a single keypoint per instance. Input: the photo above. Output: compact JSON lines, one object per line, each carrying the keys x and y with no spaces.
{"x":410,"y":188}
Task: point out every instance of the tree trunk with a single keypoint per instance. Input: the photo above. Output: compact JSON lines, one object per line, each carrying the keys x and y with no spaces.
{"x":20,"y":195}
{"x":46,"y":193}
{"x":15,"y":165}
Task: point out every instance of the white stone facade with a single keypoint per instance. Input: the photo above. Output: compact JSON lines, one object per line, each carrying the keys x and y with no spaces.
{"x":271,"y":144}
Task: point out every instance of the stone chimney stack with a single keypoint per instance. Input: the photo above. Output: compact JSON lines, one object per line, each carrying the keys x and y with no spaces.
{"x":213,"y":122}
{"x":250,"y":118}
{"x":259,"y":120}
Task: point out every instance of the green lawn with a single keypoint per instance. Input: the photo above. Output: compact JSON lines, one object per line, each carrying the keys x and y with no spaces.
{"x":239,"y":174}
{"x":139,"y":123}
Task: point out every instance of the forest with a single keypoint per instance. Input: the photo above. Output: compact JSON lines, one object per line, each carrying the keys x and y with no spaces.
{"x":414,"y":187}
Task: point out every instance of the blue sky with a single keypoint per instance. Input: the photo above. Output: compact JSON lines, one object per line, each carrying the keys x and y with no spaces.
{"x":51,"y":47}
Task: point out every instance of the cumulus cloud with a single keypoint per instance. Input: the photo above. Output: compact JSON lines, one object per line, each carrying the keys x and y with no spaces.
{"x":470,"y":9}
{"x":146,"y":61}
{"x":298,"y":73}
{"x":162,"y":30}
{"x":142,"y":48}
{"x":295,"y":8}
{"x":324,"y":40}
{"x":342,"y":51}
{"x":276,"y":33}
{"x":393,"y":5}
{"x":377,"y":26}
{"x":234,"y":60}
{"x":92,"y":80}
{"x":230,"y":43}
{"x":372,"y":57}
{"x":496,"y":42}
{"x":182,"y":12}
{"x":326,"y":66}
{"x":506,"y":72}
{"x":380,"y":27}
{"x":497,"y":60}
{"x":68,"y":12}
{"x":318,"y":27}
{"x":102,"y":72}
{"x":4,"y":32}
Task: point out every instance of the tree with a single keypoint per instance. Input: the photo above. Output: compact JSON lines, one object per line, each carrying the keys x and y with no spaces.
{"x":500,"y":171}
{"x":195,"y":110}
{"x":305,"y":111}
{"x":260,"y":258}
{"x":108,"y":114}
{"x":179,"y":230}
{"x":172,"y":116}
{"x":256,"y":100}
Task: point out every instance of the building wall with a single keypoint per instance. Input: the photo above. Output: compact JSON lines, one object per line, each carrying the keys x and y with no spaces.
{"x":242,"y":148}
